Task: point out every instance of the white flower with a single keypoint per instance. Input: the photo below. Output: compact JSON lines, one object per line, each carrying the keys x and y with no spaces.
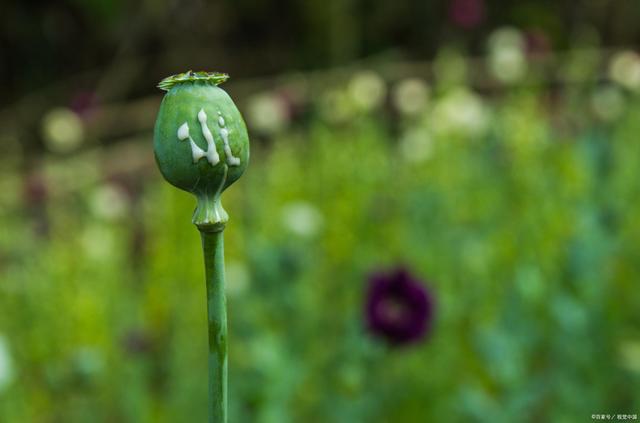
{"x":367,"y":90}
{"x":608,"y":103}
{"x":460,"y":111}
{"x":335,"y":106}
{"x":507,"y":60}
{"x":625,"y":69}
{"x":267,"y":113}
{"x":410,"y":96}
{"x":302,"y":218}
{"x":416,"y":145}
{"x":109,"y":202}
{"x":6,"y":364}
{"x":62,"y":130}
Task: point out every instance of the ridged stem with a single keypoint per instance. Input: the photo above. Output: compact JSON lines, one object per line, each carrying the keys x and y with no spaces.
{"x":213,"y":247}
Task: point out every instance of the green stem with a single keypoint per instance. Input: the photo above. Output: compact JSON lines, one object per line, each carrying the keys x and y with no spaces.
{"x":213,"y":246}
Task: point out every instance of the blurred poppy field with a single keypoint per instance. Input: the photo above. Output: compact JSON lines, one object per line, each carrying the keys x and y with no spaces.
{"x":448,"y":238}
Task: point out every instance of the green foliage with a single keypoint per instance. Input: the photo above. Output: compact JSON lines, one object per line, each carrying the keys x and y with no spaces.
{"x":527,"y":232}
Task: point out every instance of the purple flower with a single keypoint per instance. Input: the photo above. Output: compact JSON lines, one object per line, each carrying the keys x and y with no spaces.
{"x":138,"y":341}
{"x":538,"y":42}
{"x":84,"y":103}
{"x":35,"y":193}
{"x":35,"y":190}
{"x":398,"y":308}
{"x":466,"y":14}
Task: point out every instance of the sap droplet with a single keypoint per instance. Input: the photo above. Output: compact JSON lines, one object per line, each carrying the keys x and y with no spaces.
{"x":231,"y":160}
{"x":202,"y":116}
{"x":197,"y":153}
{"x":183,"y":132}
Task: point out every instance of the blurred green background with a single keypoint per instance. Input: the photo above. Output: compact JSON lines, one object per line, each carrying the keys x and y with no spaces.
{"x":491,"y":148}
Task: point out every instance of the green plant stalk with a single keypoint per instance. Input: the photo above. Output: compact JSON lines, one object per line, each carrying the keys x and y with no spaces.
{"x":213,"y":247}
{"x":201,"y":146}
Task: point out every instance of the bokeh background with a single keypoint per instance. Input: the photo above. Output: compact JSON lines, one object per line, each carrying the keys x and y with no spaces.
{"x":490,"y":148}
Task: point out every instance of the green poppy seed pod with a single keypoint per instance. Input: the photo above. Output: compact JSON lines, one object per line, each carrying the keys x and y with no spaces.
{"x":200,"y":142}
